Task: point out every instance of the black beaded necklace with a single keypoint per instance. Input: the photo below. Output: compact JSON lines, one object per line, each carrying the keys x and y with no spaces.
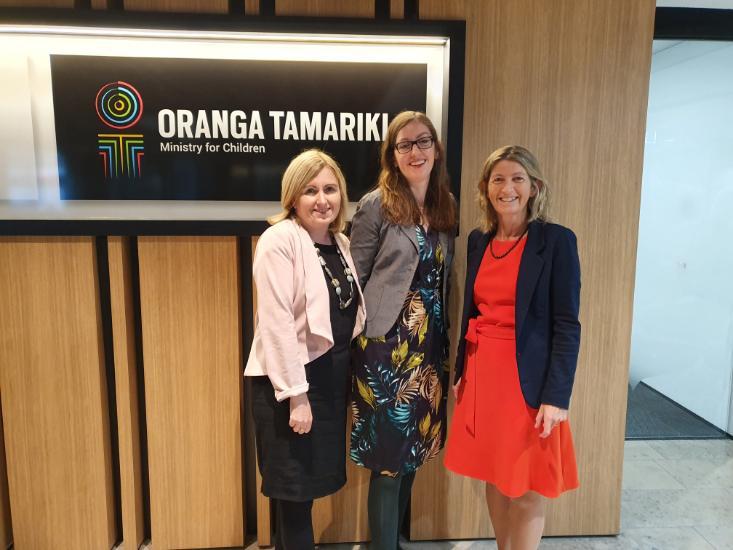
{"x":500,"y":256}
{"x":343,"y":304}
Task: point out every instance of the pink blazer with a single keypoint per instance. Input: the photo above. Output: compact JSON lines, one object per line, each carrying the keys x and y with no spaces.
{"x":293,"y":321}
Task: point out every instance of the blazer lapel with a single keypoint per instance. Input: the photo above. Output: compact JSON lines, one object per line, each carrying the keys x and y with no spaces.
{"x":342,"y":243}
{"x":474,"y":263}
{"x":409,"y":230}
{"x":316,"y":289}
{"x":445,"y":244}
{"x":530,"y":268}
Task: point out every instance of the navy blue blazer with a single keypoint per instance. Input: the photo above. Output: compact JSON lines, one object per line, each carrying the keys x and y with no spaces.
{"x":546,"y":313}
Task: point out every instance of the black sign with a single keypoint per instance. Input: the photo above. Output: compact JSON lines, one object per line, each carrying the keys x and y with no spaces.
{"x":208,"y":129}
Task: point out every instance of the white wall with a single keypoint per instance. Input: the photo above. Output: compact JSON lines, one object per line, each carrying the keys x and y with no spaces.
{"x":682,"y":337}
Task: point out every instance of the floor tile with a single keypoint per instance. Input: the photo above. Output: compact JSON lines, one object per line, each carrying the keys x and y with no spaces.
{"x":676,"y":508}
{"x":670,"y":538}
{"x":639,"y":450}
{"x":587,"y":543}
{"x":677,"y":495}
{"x":451,"y":545}
{"x":700,"y":449}
{"x":720,"y":537}
{"x":424,"y":545}
{"x":648,"y":474}
{"x":701,"y":472}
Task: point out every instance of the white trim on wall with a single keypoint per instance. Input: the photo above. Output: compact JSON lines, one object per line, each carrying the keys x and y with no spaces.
{"x":709,"y":4}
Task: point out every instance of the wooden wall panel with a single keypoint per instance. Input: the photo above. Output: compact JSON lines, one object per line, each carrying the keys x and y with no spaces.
{"x":568,"y":80}
{"x":325,"y":8}
{"x":6,"y":529}
{"x":128,"y":421}
{"x":252,"y":7}
{"x":264,"y":515}
{"x":397,"y":9}
{"x":342,"y":517}
{"x":37,"y":3}
{"x":196,"y":6}
{"x":190,"y":296}
{"x":54,"y":400}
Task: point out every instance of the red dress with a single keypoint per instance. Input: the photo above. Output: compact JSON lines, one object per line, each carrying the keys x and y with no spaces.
{"x":492,"y":435}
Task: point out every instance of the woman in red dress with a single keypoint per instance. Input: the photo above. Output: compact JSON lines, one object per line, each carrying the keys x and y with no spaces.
{"x":518,"y":351}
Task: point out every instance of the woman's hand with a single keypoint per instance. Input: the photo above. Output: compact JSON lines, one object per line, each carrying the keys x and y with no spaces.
{"x":301,"y":418}
{"x":457,"y":387}
{"x":548,"y":416}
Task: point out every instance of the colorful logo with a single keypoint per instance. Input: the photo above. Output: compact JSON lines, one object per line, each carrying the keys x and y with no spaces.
{"x":120,"y":106}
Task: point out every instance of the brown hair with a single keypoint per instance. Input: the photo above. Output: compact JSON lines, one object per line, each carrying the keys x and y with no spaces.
{"x":299,"y":173}
{"x":400,"y":206}
{"x":537,"y":206}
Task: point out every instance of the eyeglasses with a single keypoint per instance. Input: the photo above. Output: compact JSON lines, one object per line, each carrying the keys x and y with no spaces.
{"x":404,"y":147}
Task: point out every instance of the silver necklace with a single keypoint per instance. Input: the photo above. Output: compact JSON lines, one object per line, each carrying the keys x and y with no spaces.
{"x":343,"y":304}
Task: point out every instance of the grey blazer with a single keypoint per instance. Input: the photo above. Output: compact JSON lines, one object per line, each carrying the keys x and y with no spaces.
{"x":386,"y":257}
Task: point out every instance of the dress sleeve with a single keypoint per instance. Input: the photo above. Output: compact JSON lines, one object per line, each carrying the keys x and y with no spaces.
{"x":565,"y":307}
{"x":273,"y":271}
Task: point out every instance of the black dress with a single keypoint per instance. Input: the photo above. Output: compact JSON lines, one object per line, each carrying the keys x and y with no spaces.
{"x":302,"y":467}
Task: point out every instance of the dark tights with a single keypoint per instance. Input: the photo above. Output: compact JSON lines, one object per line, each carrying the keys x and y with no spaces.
{"x":388,"y":498}
{"x":294,"y":526}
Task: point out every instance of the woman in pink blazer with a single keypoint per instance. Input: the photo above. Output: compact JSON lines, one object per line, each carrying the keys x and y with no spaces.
{"x":309,"y":308}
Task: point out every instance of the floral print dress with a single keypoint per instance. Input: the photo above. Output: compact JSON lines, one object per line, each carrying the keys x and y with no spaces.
{"x":400,"y":380}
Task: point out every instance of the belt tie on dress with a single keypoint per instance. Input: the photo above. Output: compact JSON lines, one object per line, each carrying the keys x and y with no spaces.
{"x":479,"y":326}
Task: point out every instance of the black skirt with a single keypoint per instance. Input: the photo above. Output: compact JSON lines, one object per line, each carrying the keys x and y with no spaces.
{"x":302,"y":467}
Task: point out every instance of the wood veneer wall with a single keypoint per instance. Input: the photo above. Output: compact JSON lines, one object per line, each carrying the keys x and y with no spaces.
{"x":54,"y":394}
{"x":264,"y":509}
{"x":6,"y":529}
{"x":128,"y":400}
{"x":197,"y":6}
{"x":191,"y":332}
{"x":325,"y":8}
{"x":38,"y":3}
{"x":569,"y":80}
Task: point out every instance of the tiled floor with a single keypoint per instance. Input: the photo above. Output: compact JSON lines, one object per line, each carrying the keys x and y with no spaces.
{"x":677,"y":495}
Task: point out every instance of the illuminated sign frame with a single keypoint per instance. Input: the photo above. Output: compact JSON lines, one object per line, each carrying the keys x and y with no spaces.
{"x":222,"y":217}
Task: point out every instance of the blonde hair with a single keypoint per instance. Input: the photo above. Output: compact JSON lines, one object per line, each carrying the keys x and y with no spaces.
{"x":400,"y":206}
{"x":299,"y":173}
{"x":537,"y":206}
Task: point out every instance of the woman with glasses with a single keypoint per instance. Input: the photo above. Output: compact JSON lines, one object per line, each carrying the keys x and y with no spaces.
{"x":402,"y":243}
